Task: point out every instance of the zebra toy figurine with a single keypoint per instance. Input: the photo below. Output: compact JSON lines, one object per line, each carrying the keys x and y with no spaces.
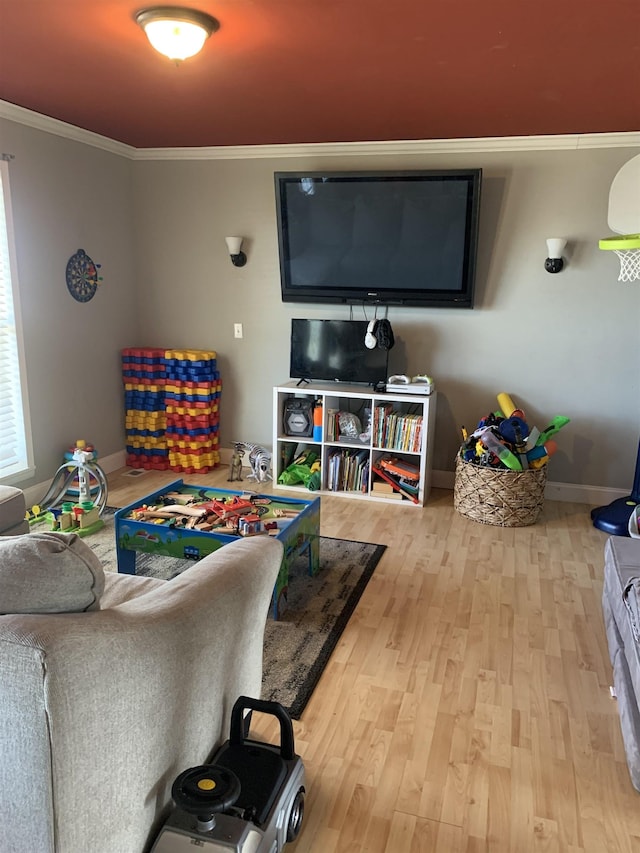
{"x":259,"y":460}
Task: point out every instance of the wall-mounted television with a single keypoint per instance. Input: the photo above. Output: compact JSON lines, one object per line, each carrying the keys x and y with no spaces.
{"x":389,"y":238}
{"x":334,"y":350}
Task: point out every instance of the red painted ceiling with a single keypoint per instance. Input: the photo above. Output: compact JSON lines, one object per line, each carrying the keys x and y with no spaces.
{"x":303,"y":71}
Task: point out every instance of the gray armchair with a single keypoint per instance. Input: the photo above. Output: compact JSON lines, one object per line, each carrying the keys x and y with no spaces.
{"x":101,"y":708}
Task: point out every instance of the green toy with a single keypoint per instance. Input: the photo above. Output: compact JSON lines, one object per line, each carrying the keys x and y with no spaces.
{"x":555,"y":426}
{"x":503,"y":453}
{"x":301,"y":470}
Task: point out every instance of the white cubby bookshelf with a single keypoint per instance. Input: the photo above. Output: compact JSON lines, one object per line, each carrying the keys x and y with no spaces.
{"x":402,"y":427}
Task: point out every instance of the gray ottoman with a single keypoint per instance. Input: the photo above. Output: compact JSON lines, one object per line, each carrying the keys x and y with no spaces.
{"x":621,"y":608}
{"x":12,"y":512}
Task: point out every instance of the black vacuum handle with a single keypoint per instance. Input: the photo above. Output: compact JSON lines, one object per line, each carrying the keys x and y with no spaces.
{"x":276,"y":710}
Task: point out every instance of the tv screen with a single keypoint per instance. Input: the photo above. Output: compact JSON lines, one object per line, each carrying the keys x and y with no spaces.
{"x":328,"y":350}
{"x":393,"y":238}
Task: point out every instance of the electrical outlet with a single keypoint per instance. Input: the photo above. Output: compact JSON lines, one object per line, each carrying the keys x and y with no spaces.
{"x":237,"y":330}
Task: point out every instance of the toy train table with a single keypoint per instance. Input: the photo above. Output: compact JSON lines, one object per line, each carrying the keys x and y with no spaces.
{"x":189,"y":522}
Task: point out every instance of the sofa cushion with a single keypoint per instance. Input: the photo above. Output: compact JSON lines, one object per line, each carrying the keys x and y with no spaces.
{"x":49,"y":573}
{"x":121,"y":588}
{"x":12,"y":507}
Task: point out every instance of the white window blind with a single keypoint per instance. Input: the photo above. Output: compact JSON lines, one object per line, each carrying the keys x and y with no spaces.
{"x":15,"y":437}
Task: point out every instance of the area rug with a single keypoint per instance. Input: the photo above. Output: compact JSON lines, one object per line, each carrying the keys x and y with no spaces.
{"x":298,"y":646}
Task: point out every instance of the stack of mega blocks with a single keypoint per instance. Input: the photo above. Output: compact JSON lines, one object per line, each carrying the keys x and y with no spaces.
{"x":143,"y":374}
{"x":192,"y":403}
{"x":172,"y":400}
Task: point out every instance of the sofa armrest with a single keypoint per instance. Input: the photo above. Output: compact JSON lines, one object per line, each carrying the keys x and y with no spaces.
{"x":125,"y":698}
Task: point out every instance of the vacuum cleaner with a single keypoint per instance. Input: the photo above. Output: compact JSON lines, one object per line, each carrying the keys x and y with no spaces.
{"x":613,"y":518}
{"x":250,"y":799}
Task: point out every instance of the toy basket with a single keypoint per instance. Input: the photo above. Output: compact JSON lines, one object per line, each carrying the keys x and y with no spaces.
{"x":499,"y":496}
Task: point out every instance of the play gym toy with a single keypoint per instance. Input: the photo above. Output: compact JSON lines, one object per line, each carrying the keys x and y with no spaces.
{"x":77,"y":495}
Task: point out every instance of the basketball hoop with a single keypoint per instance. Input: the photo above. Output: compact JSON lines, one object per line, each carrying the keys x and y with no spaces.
{"x":627,"y":248}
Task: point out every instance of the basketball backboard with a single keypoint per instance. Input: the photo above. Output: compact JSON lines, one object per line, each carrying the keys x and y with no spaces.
{"x":624,"y":199}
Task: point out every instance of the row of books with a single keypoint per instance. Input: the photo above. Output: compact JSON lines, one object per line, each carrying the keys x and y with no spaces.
{"x":405,"y":488}
{"x":397,"y":430}
{"x":380,"y":489}
{"x":348,"y":470}
{"x":332,"y":425}
{"x":391,"y":430}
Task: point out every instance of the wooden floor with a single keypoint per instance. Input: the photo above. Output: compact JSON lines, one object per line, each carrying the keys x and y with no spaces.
{"x":467,"y":705}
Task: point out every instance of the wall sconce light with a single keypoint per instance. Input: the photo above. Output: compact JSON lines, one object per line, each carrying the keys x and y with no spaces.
{"x":234,"y":245}
{"x":554,"y":262}
{"x":176,"y":32}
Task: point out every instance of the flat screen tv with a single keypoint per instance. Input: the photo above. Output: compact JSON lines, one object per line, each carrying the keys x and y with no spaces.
{"x":334,"y":350}
{"x":390,"y":238}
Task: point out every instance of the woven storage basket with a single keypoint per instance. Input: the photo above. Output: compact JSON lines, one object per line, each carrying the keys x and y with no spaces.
{"x":499,"y":496}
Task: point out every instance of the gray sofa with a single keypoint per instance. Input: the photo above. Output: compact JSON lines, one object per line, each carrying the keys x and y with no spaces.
{"x":113,"y":684}
{"x":621,"y":608}
{"x":12,"y":511}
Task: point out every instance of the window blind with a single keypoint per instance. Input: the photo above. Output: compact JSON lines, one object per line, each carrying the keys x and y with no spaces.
{"x":15,"y":438}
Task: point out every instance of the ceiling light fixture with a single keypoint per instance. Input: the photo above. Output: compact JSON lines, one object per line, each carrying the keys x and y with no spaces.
{"x":176,"y":32}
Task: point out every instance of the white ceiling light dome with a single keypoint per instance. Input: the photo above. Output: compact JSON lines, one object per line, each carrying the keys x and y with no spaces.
{"x":176,"y":32}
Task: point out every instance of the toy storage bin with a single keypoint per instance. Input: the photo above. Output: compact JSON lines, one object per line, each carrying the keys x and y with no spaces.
{"x":497,"y":495}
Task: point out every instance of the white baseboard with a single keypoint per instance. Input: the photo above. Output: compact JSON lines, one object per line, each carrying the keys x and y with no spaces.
{"x":442,"y":479}
{"x":225,"y":455}
{"x":34,"y":494}
{"x":592,"y":495}
{"x":568,"y":492}
{"x":113,"y":462}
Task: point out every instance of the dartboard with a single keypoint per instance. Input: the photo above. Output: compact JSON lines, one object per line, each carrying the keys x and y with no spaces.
{"x":82,"y":276}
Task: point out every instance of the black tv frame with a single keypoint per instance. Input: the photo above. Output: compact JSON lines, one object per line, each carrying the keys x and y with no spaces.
{"x":359,"y":365}
{"x":429,"y":297}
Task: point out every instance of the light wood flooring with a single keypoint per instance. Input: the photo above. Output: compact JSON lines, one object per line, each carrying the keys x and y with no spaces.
{"x":467,"y":706}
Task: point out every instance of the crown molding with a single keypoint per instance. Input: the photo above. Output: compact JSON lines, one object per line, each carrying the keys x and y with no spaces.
{"x":20,"y":115}
{"x":486,"y":145}
{"x":397,"y":147}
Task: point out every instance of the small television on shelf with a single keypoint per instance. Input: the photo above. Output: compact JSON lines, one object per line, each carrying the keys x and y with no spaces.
{"x":389,"y":238}
{"x":334,"y":350}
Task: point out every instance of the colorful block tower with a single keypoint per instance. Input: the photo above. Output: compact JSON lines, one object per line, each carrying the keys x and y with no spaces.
{"x":172,"y":402}
{"x":192,"y":395}
{"x":143,"y":374}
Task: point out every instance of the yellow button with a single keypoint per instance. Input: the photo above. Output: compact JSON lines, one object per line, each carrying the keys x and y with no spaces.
{"x":206,"y":784}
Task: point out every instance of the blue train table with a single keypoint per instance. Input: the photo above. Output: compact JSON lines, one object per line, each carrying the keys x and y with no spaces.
{"x":189,"y":522}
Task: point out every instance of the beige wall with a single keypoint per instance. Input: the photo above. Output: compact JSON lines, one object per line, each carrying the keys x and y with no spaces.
{"x":560,"y":344}
{"x":68,"y":196}
{"x":565,"y":344}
